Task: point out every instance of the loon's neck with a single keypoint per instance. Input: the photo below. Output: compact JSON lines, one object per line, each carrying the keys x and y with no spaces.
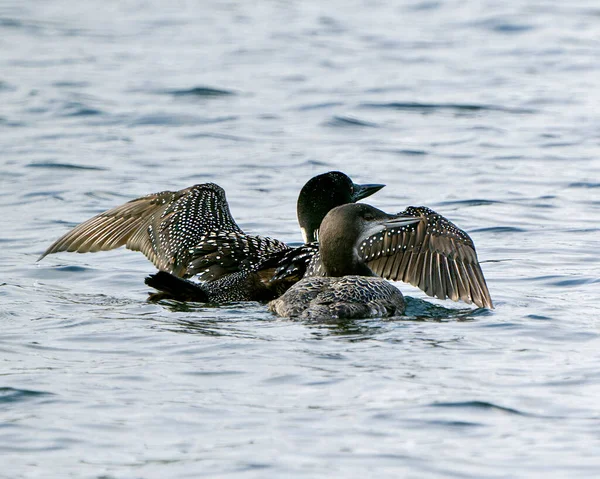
{"x":343,"y":263}
{"x":309,"y":236}
{"x":338,"y":251}
{"x":310,"y":215}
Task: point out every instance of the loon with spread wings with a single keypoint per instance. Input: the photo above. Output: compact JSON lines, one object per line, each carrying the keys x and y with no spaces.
{"x":430,"y":253}
{"x":191,"y":233}
{"x":360,"y":244}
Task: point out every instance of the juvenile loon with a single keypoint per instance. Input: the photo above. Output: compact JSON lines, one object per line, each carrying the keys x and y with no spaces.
{"x":359,"y":242}
{"x":191,"y":232}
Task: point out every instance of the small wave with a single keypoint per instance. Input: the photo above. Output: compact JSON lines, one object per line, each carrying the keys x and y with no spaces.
{"x":504,"y":26}
{"x":72,"y":269}
{"x":479,"y":405}
{"x":347,"y":121}
{"x":511,"y":28}
{"x":543,"y":278}
{"x":218,"y":136}
{"x":10,"y":22}
{"x":507,"y":157}
{"x":72,"y":109}
{"x":71,"y":84}
{"x":401,"y":151}
{"x":461,"y":424}
{"x":44,"y":194}
{"x":418,"y":106}
{"x":499,"y":229}
{"x":178,"y":120}
{"x":584,"y":184}
{"x":66,"y":166}
{"x":5,"y":86}
{"x":558,"y":280}
{"x":84,"y":112}
{"x":9,"y":395}
{"x":425,"y":6}
{"x":214,"y":373}
{"x":201,"y":91}
{"x":573,"y":282}
{"x":473,"y":202}
{"x":538,"y":317}
{"x":318,"y":106}
{"x":7,"y":122}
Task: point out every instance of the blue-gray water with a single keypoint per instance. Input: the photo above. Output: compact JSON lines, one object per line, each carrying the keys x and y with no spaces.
{"x":485,"y":111}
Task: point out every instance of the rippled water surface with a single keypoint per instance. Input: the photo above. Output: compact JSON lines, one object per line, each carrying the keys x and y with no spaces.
{"x":485,"y":111}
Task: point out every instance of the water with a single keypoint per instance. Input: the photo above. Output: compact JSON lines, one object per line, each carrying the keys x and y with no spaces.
{"x":485,"y":111}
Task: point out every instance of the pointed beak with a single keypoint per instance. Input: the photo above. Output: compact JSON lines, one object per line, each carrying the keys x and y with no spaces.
{"x":362,"y":191}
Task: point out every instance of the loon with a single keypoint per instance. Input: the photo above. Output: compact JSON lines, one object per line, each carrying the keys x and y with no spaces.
{"x":191,"y":232}
{"x":359,"y":243}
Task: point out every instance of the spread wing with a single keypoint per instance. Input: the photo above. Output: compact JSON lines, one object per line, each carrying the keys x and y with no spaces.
{"x":163,"y":226}
{"x":220,"y":253}
{"x":433,"y":255}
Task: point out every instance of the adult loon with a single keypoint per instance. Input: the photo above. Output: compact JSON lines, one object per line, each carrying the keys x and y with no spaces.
{"x":359,"y":242}
{"x":191,"y":232}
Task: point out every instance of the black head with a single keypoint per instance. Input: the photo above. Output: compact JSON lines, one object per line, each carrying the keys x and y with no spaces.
{"x":323,"y":193}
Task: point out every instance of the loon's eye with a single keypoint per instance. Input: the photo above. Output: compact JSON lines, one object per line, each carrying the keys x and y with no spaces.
{"x":368,"y":216}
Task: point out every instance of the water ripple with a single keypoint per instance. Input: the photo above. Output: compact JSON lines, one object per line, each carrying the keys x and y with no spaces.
{"x":200,"y":92}
{"x":75,"y":109}
{"x":499,"y":229}
{"x":168,"y":119}
{"x":348,"y":122}
{"x":401,"y":151}
{"x":502,"y":25}
{"x":65,"y":166}
{"x":471,"y":202}
{"x":318,"y":106}
{"x":13,"y":395}
{"x":584,"y":184}
{"x":565,"y":281}
{"x":218,"y":136}
{"x":479,"y":405}
{"x":426,"y":107}
{"x":6,"y":87}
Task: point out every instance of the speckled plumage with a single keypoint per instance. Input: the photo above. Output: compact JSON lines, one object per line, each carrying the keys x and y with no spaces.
{"x":238,"y":286}
{"x":191,"y":233}
{"x":220,"y":253}
{"x":349,"y":297}
{"x":163,"y":226}
{"x":359,"y":241}
{"x":432,"y":254}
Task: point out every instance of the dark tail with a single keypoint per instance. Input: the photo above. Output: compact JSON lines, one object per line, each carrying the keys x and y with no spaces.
{"x":172,"y":287}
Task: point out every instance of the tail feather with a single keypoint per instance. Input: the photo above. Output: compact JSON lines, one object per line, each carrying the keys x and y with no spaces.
{"x":172,"y":287}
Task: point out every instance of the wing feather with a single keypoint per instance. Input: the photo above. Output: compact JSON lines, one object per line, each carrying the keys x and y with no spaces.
{"x":433,"y":254}
{"x":163,"y":226}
